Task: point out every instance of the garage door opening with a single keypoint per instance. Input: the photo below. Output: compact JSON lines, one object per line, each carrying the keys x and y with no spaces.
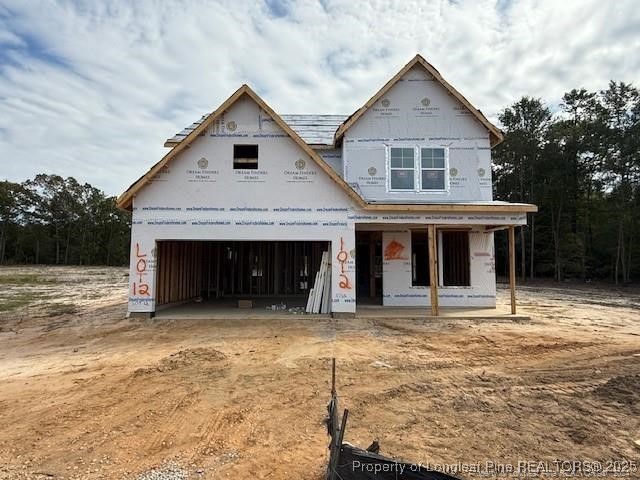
{"x":220,"y":273}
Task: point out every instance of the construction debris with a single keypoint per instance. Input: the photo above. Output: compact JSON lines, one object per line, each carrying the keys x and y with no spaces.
{"x":348,"y":462}
{"x":320,"y":295}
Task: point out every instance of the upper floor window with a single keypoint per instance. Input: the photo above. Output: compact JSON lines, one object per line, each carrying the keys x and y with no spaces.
{"x":245,"y":157}
{"x":402,"y":169}
{"x":432,"y":166}
{"x":417,"y":169}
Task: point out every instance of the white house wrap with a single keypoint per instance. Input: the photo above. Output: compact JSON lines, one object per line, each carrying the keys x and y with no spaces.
{"x":365,"y":187}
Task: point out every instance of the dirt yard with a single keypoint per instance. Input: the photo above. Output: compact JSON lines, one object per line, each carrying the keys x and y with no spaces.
{"x":86,"y":393}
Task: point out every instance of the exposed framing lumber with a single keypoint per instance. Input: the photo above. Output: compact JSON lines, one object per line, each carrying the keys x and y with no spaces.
{"x":495,"y":134}
{"x":512,"y":268}
{"x":490,"y":229}
{"x":319,"y":296}
{"x":433,"y":268}
{"x":372,"y":256}
{"x":326,"y":298}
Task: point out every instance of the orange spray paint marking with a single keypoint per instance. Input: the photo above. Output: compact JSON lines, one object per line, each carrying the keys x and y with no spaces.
{"x":342,"y":258}
{"x":141,"y":288}
{"x":138,"y":255}
{"x":344,"y":282}
{"x":395,"y":251}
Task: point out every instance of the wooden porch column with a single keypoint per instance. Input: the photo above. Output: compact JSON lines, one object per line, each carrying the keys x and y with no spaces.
{"x":433,"y":268}
{"x":512,"y":268}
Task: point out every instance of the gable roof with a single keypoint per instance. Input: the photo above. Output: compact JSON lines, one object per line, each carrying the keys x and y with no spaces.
{"x":126,"y":199}
{"x":305,"y":126}
{"x":495,"y":134}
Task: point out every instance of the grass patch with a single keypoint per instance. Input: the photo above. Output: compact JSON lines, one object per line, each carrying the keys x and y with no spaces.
{"x":18,"y":300}
{"x":56,"y":309}
{"x":26,"y":280}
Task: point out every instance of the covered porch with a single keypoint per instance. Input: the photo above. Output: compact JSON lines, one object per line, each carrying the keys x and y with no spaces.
{"x":440,"y":268}
{"x":434,"y":258}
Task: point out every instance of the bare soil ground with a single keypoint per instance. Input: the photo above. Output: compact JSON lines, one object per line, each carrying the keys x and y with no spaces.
{"x":86,"y":393}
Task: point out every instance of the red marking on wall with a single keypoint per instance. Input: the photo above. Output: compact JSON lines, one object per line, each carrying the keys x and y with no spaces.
{"x":140,"y":287}
{"x":342,"y":258}
{"x":394,"y":251}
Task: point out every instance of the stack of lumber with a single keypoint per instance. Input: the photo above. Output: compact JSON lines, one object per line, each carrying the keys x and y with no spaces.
{"x":320,"y":295}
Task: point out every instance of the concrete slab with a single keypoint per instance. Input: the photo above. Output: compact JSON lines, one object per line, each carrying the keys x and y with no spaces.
{"x":422,"y":313}
{"x":227,"y":309}
{"x":263,"y":307}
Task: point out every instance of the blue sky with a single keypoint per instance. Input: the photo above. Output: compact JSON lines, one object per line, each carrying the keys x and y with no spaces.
{"x":92,"y":88}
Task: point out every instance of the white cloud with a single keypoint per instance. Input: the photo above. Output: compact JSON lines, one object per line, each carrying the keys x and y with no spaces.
{"x":93,"y":89}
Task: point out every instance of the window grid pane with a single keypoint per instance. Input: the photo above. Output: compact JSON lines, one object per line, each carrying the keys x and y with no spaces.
{"x":402,"y":179}
{"x":402,"y":173}
{"x":433,"y":179}
{"x":432,"y":168}
{"x":407,"y":162}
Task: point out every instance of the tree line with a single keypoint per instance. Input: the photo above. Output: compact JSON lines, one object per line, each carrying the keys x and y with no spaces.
{"x":581,"y":166}
{"x":579,"y":162}
{"x":55,"y":220}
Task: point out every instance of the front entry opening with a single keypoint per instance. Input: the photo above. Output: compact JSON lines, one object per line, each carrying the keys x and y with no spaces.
{"x":369,"y":267}
{"x":217,"y":270}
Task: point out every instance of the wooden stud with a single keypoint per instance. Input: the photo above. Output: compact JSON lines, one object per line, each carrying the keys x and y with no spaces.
{"x":165,"y":270}
{"x":194,"y":267}
{"x":175,"y":285}
{"x":372,"y":257}
{"x":218,"y":289}
{"x":512,"y":268}
{"x":433,"y":269}
{"x":168,"y":249}
{"x":183,"y":255}
{"x":181,"y":271}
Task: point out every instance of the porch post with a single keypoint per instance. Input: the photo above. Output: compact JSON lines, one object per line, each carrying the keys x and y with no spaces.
{"x":433,"y":269}
{"x":512,"y":268}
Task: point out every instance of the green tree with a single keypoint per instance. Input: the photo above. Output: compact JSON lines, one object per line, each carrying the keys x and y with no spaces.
{"x":517,"y":160}
{"x":50,"y":219}
{"x":618,"y":119}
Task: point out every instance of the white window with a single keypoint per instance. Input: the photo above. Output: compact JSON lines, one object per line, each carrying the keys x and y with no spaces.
{"x":432,"y":166}
{"x":417,"y":169}
{"x":402,"y":169}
